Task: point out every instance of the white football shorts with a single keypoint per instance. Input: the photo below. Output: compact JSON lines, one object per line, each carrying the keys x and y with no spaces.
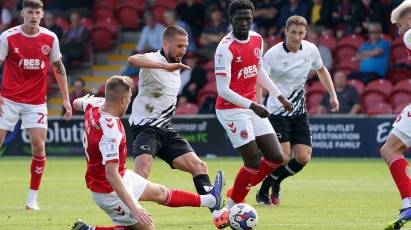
{"x":402,"y":126}
{"x":243,"y":125}
{"x":114,"y":207}
{"x":32,"y":116}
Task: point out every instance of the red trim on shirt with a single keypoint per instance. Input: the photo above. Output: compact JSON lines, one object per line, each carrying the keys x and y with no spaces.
{"x":112,"y":161}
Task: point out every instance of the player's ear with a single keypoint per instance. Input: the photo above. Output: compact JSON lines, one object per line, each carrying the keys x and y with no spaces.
{"x":166,"y":44}
{"x":124,"y":99}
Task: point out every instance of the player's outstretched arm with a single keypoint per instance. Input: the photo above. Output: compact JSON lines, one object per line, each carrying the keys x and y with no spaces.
{"x":61,"y":77}
{"x":116,"y":182}
{"x":327,"y":82}
{"x":141,"y":61}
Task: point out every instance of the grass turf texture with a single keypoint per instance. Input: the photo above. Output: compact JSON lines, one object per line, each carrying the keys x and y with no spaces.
{"x":328,"y":194}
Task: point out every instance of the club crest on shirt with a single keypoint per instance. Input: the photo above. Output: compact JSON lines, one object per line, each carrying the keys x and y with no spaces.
{"x":45,"y":49}
{"x":257,"y":52}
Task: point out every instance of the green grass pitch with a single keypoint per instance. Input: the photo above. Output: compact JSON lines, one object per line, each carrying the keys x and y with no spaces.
{"x":329,"y":194}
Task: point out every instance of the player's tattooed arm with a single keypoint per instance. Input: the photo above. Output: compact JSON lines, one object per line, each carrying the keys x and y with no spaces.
{"x":61,"y":77}
{"x":141,"y":61}
{"x":59,"y":68}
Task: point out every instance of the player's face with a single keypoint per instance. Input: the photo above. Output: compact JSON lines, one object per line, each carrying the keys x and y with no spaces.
{"x":32,"y":17}
{"x":295,"y":34}
{"x":404,"y":23}
{"x":176,"y":48}
{"x":241,"y":21}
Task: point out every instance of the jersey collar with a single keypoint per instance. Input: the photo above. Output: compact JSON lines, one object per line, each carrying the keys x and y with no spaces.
{"x":241,"y":41}
{"x":164,"y":55}
{"x":287,"y":50}
{"x":29,"y":35}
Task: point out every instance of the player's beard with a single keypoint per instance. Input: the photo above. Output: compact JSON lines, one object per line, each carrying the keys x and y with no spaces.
{"x":173,"y":59}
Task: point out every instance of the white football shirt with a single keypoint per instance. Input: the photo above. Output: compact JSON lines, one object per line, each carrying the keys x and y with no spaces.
{"x":156,"y":101}
{"x":289,"y":72}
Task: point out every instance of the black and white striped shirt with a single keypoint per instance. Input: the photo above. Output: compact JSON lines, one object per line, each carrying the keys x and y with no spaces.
{"x":155,"y":103}
{"x":289,"y":72}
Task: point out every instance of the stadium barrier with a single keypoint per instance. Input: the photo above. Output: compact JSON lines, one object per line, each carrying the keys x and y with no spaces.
{"x":333,"y":136}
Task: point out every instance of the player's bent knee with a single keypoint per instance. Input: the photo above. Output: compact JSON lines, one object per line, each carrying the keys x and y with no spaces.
{"x":254,"y":164}
{"x":286,"y":158}
{"x":38,"y":148}
{"x":143,"y":171}
{"x":303,"y":158}
{"x":161,"y":193}
{"x":142,"y":166}
{"x":154,"y":192}
{"x":387,"y":152}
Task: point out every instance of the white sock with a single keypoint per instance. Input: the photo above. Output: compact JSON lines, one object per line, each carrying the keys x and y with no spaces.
{"x":207,"y":201}
{"x":32,"y":196}
{"x":230,"y":203}
{"x":406,"y":202}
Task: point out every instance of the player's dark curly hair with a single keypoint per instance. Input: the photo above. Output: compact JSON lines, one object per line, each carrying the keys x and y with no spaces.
{"x":240,"y":5}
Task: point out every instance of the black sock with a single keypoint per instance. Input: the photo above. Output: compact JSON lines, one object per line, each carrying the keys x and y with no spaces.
{"x":200,"y":182}
{"x":265,"y":186}
{"x":290,"y":169}
{"x":279,"y":174}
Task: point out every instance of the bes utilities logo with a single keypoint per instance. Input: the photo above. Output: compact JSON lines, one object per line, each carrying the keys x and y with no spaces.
{"x":31,"y":64}
{"x":248,"y":72}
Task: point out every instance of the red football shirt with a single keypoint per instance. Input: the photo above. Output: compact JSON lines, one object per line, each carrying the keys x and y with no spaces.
{"x":239,"y":60}
{"x":26,"y":64}
{"x":104,"y":140}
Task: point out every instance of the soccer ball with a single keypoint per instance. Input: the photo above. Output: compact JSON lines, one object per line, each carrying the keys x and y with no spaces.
{"x":242,"y":217}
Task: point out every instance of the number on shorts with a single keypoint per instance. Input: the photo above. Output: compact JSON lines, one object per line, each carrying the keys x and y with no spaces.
{"x":85,"y":145}
{"x":41,"y":119}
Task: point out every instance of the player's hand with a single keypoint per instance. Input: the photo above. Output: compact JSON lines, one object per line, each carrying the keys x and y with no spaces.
{"x":260,"y":110}
{"x":142,"y":216}
{"x":1,"y":106}
{"x":67,"y":107}
{"x":335,"y":105}
{"x":286,"y":103}
{"x":171,"y":67}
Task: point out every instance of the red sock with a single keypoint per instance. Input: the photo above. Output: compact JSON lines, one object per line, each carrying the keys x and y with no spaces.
{"x":37,"y":167}
{"x":401,"y":173}
{"x":180,"y":198}
{"x":242,"y":183}
{"x":112,"y":228}
{"x":266,"y":166}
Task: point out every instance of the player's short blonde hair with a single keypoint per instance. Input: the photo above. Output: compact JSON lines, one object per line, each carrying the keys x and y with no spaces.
{"x":35,"y":4}
{"x":403,"y":8}
{"x":171,"y":31}
{"x":117,"y":86}
{"x":296,"y":20}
